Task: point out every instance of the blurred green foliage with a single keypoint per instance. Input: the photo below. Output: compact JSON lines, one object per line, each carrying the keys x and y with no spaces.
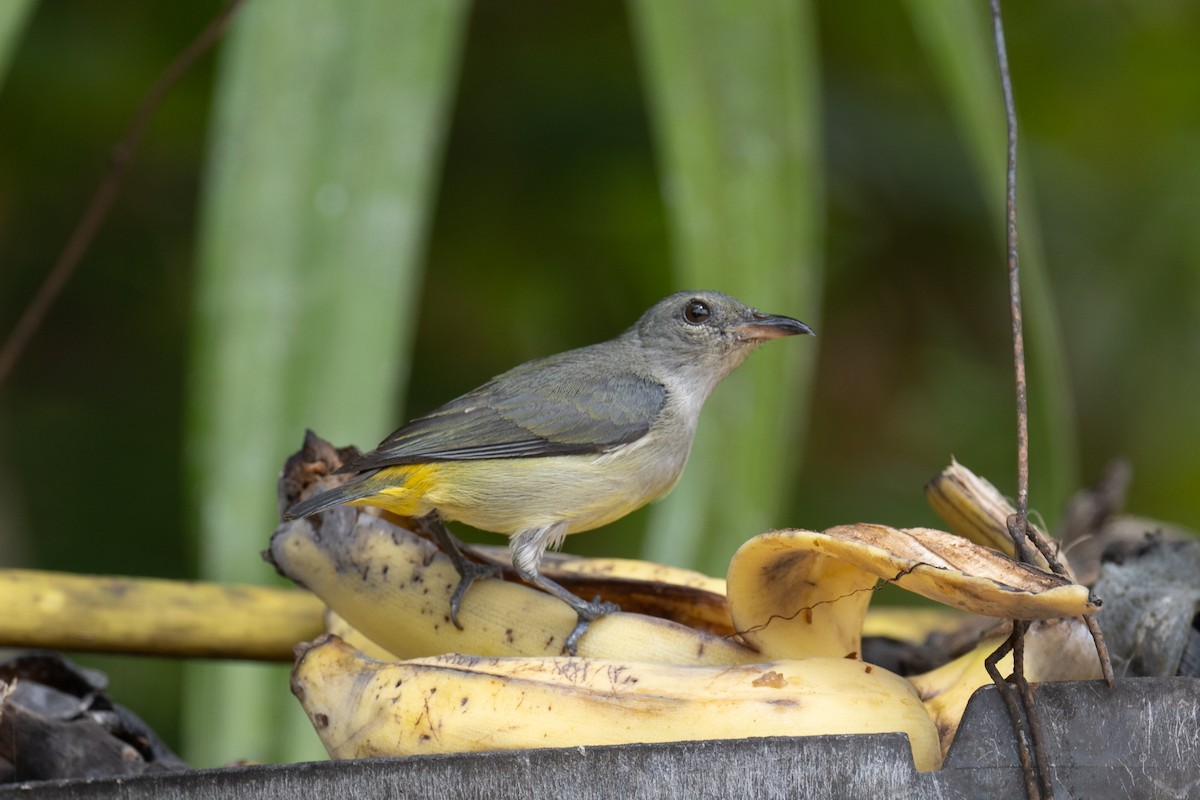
{"x":549,"y":231}
{"x":732,"y":92}
{"x":308,"y":268}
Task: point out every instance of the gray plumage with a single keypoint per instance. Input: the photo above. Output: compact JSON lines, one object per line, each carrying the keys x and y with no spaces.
{"x":569,"y":442}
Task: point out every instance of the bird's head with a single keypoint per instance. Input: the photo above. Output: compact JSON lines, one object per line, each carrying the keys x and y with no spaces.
{"x":703,"y":336}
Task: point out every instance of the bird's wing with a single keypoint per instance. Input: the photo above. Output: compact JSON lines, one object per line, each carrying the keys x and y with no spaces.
{"x":549,"y":407}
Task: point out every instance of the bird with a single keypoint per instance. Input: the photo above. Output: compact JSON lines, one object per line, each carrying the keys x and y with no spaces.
{"x":561,"y":444}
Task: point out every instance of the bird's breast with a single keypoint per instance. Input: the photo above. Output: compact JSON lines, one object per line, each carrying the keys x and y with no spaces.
{"x":583,"y":491}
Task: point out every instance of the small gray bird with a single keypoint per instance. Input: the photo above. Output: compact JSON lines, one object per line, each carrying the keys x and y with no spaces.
{"x":562,"y":444}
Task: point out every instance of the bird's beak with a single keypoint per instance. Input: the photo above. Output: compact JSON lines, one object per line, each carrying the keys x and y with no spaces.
{"x":761,"y":327}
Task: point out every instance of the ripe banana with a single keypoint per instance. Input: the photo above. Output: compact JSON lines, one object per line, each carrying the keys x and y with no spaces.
{"x":1055,"y":650}
{"x":681,"y":595}
{"x":797,"y":599}
{"x":631,"y":569}
{"x":911,"y":623}
{"x":975,"y":509}
{"x":797,"y":593}
{"x":362,"y":708}
{"x":395,"y":587}
{"x":790,"y":600}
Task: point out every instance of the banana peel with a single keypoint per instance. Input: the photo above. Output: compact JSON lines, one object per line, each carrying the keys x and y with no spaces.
{"x":394,"y":587}
{"x":154,"y":616}
{"x":794,"y":596}
{"x":975,"y":510}
{"x":659,"y":590}
{"x":1055,"y":650}
{"x":798,"y":593}
{"x":643,"y":587}
{"x":399,"y":678}
{"x":455,"y":703}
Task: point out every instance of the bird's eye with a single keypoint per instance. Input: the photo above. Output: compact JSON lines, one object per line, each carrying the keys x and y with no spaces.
{"x":696,"y":311}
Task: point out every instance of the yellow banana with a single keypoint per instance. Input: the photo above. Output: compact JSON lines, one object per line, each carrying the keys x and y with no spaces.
{"x":946,"y":690}
{"x":153,"y":616}
{"x":682,"y":595}
{"x":632,"y":569}
{"x":362,"y":707}
{"x":912,"y":624}
{"x":394,"y":587}
{"x":339,"y":627}
{"x":1055,"y":650}
{"x":790,"y":600}
{"x":797,"y":598}
{"x":798,"y":593}
{"x":975,"y":509}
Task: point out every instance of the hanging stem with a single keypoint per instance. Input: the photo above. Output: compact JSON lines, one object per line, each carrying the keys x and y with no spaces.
{"x":1036,"y":778}
{"x":1013,"y":704}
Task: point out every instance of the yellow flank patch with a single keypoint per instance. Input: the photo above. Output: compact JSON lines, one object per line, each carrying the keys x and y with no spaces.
{"x":402,"y":490}
{"x":510,"y":495}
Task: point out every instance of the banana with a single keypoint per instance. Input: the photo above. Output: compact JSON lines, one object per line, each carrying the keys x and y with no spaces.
{"x":790,"y":600}
{"x":1055,"y":650}
{"x":912,"y":624}
{"x":153,"y":616}
{"x":337,"y":625}
{"x":797,"y":600}
{"x":975,"y":510}
{"x":799,"y":597}
{"x":797,"y":593}
{"x":681,"y":595}
{"x":395,"y":587}
{"x":631,"y":569}
{"x":362,"y":708}
{"x":946,"y":690}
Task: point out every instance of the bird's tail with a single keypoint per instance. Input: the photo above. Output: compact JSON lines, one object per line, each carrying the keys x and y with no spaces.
{"x":355,"y":489}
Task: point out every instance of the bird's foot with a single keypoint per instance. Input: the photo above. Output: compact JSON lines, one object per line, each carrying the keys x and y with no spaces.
{"x":588,"y":613}
{"x":468,"y":573}
{"x":468,"y":570}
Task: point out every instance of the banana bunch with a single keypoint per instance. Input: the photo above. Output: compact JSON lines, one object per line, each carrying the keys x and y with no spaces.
{"x":776,"y":649}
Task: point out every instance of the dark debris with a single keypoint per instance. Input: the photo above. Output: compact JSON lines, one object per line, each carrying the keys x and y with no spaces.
{"x":57,"y":722}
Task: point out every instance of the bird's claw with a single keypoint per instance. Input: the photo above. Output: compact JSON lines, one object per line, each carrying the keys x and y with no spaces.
{"x":588,"y":613}
{"x":468,"y":573}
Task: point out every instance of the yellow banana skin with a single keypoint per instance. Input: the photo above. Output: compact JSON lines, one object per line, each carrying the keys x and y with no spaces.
{"x":974,"y":509}
{"x":1055,"y":650}
{"x":797,"y":598}
{"x":362,"y":708}
{"x":685,"y":596}
{"x":913,"y":624}
{"x":796,"y":593}
{"x":394,"y":587}
{"x":632,"y":569}
{"x":659,"y":590}
{"x":790,"y":600}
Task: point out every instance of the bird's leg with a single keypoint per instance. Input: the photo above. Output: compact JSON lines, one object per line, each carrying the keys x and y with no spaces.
{"x":468,"y":571}
{"x":527,"y":549}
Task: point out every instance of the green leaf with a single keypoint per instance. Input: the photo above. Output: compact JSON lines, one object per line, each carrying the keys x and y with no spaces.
{"x":732,"y":88}
{"x":328,"y":129}
{"x":958,"y":40}
{"x":14,"y":14}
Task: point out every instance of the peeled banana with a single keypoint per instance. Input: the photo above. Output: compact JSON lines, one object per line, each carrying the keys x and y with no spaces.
{"x":453,"y":703}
